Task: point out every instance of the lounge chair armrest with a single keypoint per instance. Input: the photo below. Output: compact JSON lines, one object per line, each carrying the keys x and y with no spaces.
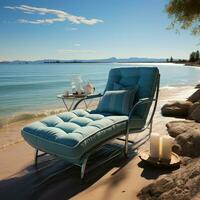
{"x":140,"y":102}
{"x":92,"y":96}
{"x":145,"y":99}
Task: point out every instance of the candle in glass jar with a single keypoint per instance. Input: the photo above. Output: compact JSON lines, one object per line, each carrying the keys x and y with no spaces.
{"x":166,"y":147}
{"x":155,"y":145}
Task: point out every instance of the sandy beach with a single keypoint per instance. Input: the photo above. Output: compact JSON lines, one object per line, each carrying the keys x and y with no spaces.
{"x":140,"y":140}
{"x":120,"y":179}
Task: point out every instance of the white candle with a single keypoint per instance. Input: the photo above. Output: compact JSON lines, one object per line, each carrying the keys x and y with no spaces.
{"x":155,"y":145}
{"x":166,"y":147}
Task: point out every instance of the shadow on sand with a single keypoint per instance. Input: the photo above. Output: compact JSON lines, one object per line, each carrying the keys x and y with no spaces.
{"x":57,"y":179}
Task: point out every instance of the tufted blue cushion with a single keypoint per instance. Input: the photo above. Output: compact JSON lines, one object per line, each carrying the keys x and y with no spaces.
{"x":117,"y":101}
{"x":71,"y":134}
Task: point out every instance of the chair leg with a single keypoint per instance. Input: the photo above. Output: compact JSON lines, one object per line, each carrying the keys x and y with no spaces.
{"x":126,"y":144}
{"x":36,"y":157}
{"x":83,"y":168}
{"x":151,"y":126}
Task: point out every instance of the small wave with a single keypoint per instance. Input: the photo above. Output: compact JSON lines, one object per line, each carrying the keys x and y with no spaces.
{"x":28,"y":115}
{"x":33,"y":83}
{"x":167,"y":87}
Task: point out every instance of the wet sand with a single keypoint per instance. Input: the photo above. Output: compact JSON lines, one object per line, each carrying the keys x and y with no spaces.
{"x":119,"y":179}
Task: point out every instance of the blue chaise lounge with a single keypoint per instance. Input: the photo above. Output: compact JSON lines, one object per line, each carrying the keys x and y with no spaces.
{"x":123,"y":109}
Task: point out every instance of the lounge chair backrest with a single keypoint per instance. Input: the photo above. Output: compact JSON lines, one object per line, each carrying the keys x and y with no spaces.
{"x":145,"y":78}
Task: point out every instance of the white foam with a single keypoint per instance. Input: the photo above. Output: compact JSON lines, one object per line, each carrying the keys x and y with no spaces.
{"x":150,"y":64}
{"x":28,"y":115}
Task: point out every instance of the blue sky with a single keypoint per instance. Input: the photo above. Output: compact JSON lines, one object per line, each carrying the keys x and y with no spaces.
{"x":87,"y":29}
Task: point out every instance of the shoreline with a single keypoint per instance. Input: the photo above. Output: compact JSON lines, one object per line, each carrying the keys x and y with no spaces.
{"x":194,"y":64}
{"x":21,"y":116}
{"x":10,"y":132}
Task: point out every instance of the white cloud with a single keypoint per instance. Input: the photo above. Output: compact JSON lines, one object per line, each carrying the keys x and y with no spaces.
{"x":40,"y":21}
{"x":72,"y":51}
{"x":29,"y":13}
{"x":60,"y":16}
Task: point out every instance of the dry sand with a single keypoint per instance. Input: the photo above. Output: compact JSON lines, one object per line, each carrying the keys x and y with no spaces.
{"x":119,"y":179}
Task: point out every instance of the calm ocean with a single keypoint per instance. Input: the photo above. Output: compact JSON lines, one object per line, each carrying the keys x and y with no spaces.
{"x":33,"y":87}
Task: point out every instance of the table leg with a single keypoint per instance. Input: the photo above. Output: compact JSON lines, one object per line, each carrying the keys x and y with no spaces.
{"x":65,"y":105}
{"x":71,"y":106}
{"x":86,"y":106}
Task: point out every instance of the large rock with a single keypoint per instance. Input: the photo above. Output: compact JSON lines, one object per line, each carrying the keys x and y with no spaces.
{"x":194,"y":112}
{"x":187,"y":141}
{"x":195,"y":96}
{"x":183,"y":184}
{"x":176,"y":128}
{"x":177,"y":109}
{"x":188,"y":144}
{"x":193,"y":107}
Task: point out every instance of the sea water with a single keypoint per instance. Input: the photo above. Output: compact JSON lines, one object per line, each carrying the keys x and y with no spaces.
{"x":34,"y":87}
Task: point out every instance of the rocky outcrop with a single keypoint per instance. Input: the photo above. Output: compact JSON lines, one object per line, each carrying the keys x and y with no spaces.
{"x":188,"y":144}
{"x":187,"y":137}
{"x":177,"y":109}
{"x":176,"y":128}
{"x":193,"y":107}
{"x":195,"y":96}
{"x":183,"y":184}
{"x":189,"y":109}
{"x":194,"y":112}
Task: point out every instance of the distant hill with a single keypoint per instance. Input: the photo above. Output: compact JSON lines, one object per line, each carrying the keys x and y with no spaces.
{"x":107,"y":60}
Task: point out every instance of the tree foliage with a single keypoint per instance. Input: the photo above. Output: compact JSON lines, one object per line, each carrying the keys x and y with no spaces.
{"x":185,"y":14}
{"x":194,"y":56}
{"x":197,"y":55}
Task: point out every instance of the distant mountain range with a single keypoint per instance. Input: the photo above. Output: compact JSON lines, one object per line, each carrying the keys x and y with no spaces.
{"x":107,"y":60}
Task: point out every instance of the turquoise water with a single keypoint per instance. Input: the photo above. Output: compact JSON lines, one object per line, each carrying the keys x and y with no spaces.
{"x":33,"y":87}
